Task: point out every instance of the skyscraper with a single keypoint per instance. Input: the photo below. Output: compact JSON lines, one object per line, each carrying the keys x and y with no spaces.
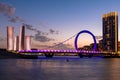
{"x":16,"y":43}
{"x":22,"y":38}
{"x":27,"y":43}
{"x":10,"y":39}
{"x":110,"y":31}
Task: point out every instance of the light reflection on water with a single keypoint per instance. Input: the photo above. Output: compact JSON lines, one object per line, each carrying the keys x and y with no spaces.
{"x":60,"y":69}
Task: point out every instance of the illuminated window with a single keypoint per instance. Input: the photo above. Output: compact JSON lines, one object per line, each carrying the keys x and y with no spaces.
{"x":108,"y":27}
{"x":108,"y":42}
{"x":107,"y":35}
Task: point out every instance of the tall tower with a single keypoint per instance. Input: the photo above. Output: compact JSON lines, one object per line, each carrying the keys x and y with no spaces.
{"x":110,"y":31}
{"x":27,"y":43}
{"x":10,"y":34}
{"x":22,"y":38}
{"x":16,"y":43}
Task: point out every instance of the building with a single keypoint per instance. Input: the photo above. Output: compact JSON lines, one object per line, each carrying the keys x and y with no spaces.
{"x":16,"y":43}
{"x":100,"y":45}
{"x":22,"y":38}
{"x":27,"y":42}
{"x":119,"y":46}
{"x":10,"y":37}
{"x":110,"y":31}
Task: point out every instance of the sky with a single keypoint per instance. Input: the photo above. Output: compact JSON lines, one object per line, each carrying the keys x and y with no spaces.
{"x":51,"y":22}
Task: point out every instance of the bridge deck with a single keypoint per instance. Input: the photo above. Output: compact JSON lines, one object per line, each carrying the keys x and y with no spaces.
{"x":58,"y":51}
{"x":81,"y":53}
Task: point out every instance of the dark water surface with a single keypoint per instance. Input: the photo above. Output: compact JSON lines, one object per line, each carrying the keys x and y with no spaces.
{"x":57,"y":68}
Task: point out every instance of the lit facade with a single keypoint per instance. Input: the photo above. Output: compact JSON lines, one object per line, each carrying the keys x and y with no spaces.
{"x":119,"y":46}
{"x":16,"y":43}
{"x":110,"y":31}
{"x":10,"y":37}
{"x":27,"y":43}
{"x":22,"y":38}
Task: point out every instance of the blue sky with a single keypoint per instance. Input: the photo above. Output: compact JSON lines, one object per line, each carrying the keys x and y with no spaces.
{"x":64,"y":17}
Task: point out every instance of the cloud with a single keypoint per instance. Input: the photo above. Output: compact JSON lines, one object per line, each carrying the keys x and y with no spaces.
{"x":98,"y":37}
{"x":38,"y":32}
{"x":40,"y":35}
{"x":30,"y":27}
{"x":53,"y":31}
{"x":6,"y":9}
{"x":42,"y":38}
{"x":62,"y":46}
{"x":2,"y":39}
{"x":16,"y":19}
{"x":9,"y":11}
{"x":43,"y":24}
{"x":46,"y":25}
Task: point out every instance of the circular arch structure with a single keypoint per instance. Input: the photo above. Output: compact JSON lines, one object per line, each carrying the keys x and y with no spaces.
{"x":85,"y":31}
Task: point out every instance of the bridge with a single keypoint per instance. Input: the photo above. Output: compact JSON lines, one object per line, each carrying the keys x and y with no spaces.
{"x":77,"y":51}
{"x":81,"y":53}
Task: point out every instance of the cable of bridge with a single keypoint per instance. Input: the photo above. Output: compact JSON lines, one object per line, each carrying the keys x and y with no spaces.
{"x":61,"y":42}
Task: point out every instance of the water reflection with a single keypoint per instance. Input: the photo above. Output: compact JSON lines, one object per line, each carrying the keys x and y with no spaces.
{"x":60,"y":69}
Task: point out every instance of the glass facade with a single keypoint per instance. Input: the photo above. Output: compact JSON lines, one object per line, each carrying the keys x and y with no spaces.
{"x":110,"y":31}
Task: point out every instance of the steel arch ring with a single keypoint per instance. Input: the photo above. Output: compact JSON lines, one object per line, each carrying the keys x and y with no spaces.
{"x":85,"y":31}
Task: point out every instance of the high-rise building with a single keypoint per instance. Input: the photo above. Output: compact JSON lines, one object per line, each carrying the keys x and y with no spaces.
{"x":110,"y":31}
{"x":27,"y":43}
{"x":16,"y":43}
{"x":21,"y":38}
{"x":10,"y":38}
{"x":119,"y":46}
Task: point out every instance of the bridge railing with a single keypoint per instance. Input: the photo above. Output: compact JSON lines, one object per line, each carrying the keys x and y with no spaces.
{"x":58,"y":51}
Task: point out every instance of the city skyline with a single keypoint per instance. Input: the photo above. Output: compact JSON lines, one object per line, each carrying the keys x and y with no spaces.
{"x":55,"y":21}
{"x":21,"y":42}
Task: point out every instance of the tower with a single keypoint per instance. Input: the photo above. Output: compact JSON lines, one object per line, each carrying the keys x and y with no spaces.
{"x":110,"y":31}
{"x":16,"y":43}
{"x":22,"y":38}
{"x":10,"y":34}
{"x":27,"y":43}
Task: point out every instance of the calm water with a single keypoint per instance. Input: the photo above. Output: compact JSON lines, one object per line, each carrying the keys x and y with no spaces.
{"x":60,"y":69}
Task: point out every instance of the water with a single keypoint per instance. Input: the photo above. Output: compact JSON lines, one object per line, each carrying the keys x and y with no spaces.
{"x":70,"y":68}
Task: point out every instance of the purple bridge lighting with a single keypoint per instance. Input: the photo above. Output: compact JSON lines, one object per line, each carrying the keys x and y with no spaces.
{"x":85,"y":31}
{"x":57,"y":51}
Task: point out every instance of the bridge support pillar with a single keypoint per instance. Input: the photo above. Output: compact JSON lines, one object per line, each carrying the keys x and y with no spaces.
{"x":49,"y":55}
{"x":90,"y":55}
{"x":80,"y":55}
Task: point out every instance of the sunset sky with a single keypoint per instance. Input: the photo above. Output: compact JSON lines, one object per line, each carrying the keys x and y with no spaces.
{"x":50,"y":22}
